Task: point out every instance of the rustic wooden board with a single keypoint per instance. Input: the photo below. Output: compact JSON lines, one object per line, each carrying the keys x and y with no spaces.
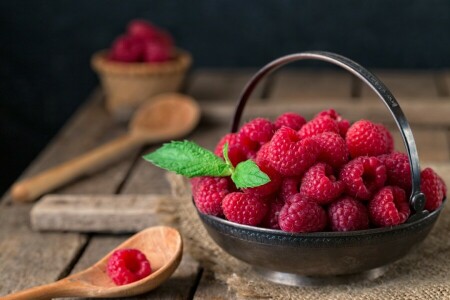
{"x":179,"y":286}
{"x":221,"y":85}
{"x":29,"y":258}
{"x":101,"y":213}
{"x":419,"y":84}
{"x":309,"y":85}
{"x":445,"y":77}
{"x":45,"y":257}
{"x":417,"y":111}
{"x":432,"y":144}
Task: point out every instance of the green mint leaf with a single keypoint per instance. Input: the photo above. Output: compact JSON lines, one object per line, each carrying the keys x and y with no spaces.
{"x":247,"y":174}
{"x":188,"y":159}
{"x":227,"y":159}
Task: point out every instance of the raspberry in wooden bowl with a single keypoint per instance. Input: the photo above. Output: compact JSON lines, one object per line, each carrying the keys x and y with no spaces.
{"x":140,"y":64}
{"x":305,"y":201}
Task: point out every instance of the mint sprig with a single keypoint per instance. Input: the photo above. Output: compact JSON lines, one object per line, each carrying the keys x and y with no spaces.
{"x":189,"y":159}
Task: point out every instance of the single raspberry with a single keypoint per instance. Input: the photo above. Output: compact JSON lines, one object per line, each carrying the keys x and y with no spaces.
{"x":318,"y":125}
{"x":209,"y":193}
{"x":271,"y":218}
{"x":268,"y":188}
{"x":363,"y":176}
{"x":333,"y":149}
{"x":320,"y":184}
{"x":388,"y":136}
{"x":258,"y":130}
{"x":432,"y":188}
{"x":289,"y":155}
{"x":156,"y":52}
{"x":302,"y":215}
{"x":262,"y":156}
{"x":127,"y":265}
{"x":343,"y":124}
{"x":398,"y":170}
{"x":291,"y":120}
{"x":237,"y":148}
{"x":142,"y":29}
{"x":347,"y":214}
{"x":244,"y":209}
{"x":389,"y":207}
{"x":443,"y":186}
{"x":127,"y":49}
{"x":289,"y":187}
{"x":366,"y":138}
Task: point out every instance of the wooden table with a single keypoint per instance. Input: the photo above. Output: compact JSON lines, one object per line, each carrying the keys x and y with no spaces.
{"x":30,"y":258}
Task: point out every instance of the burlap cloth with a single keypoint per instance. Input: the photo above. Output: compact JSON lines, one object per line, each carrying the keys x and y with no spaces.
{"x":422,"y":274}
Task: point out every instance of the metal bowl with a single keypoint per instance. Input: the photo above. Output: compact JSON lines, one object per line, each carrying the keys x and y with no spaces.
{"x":323,"y":257}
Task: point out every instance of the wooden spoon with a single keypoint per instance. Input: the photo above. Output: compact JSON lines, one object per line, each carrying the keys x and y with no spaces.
{"x":162,"y":246}
{"x":162,"y":118}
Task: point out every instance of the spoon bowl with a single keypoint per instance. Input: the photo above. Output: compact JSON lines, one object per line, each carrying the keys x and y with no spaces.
{"x":162,"y":246}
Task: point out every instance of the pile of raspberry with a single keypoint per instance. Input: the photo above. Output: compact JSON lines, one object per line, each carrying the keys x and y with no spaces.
{"x":143,"y":42}
{"x":326,"y":175}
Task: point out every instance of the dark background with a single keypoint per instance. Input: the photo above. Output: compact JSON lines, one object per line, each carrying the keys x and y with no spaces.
{"x":46,"y":47}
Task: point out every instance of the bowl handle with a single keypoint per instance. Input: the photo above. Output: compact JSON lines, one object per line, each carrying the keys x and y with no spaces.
{"x":417,"y":199}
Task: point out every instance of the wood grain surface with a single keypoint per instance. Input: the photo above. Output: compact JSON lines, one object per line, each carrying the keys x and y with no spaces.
{"x":29,"y":258}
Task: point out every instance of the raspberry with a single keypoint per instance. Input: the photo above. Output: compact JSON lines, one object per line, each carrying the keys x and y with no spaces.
{"x":209,"y":192}
{"x":291,"y":120}
{"x":398,"y":170}
{"x":343,"y":124}
{"x":333,"y":149}
{"x":443,"y":186}
{"x":237,"y":149}
{"x":268,"y":188}
{"x":262,"y":157}
{"x":432,"y":188}
{"x":258,"y":130}
{"x":366,"y":138}
{"x":347,"y":214}
{"x":363,"y":176}
{"x":156,"y":52}
{"x":289,"y":187}
{"x":271,"y":218}
{"x":320,"y":185}
{"x":302,"y":215}
{"x":142,"y":29}
{"x":127,"y":265}
{"x":389,"y":207}
{"x":318,"y":125}
{"x":244,"y":209}
{"x":127,"y":49}
{"x":388,"y":137}
{"x":289,"y":155}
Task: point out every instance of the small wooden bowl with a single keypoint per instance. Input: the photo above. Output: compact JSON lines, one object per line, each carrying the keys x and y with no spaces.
{"x":127,"y":85}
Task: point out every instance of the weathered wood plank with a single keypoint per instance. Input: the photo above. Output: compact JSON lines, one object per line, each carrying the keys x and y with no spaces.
{"x":101,"y":213}
{"x":432,"y":144}
{"x":29,"y":258}
{"x":44,"y":257}
{"x":417,"y":111}
{"x":219,"y":85}
{"x":406,"y":84}
{"x":179,"y":286}
{"x":91,"y":126}
{"x":309,"y":85}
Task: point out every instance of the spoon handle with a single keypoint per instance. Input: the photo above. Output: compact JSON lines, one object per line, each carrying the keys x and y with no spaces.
{"x":61,"y":288}
{"x":31,"y":188}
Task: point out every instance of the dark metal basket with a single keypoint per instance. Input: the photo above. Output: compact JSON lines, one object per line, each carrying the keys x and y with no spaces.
{"x":322,"y":257}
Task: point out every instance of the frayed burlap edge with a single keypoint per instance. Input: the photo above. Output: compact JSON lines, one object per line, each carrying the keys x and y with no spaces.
{"x":423,"y":274}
